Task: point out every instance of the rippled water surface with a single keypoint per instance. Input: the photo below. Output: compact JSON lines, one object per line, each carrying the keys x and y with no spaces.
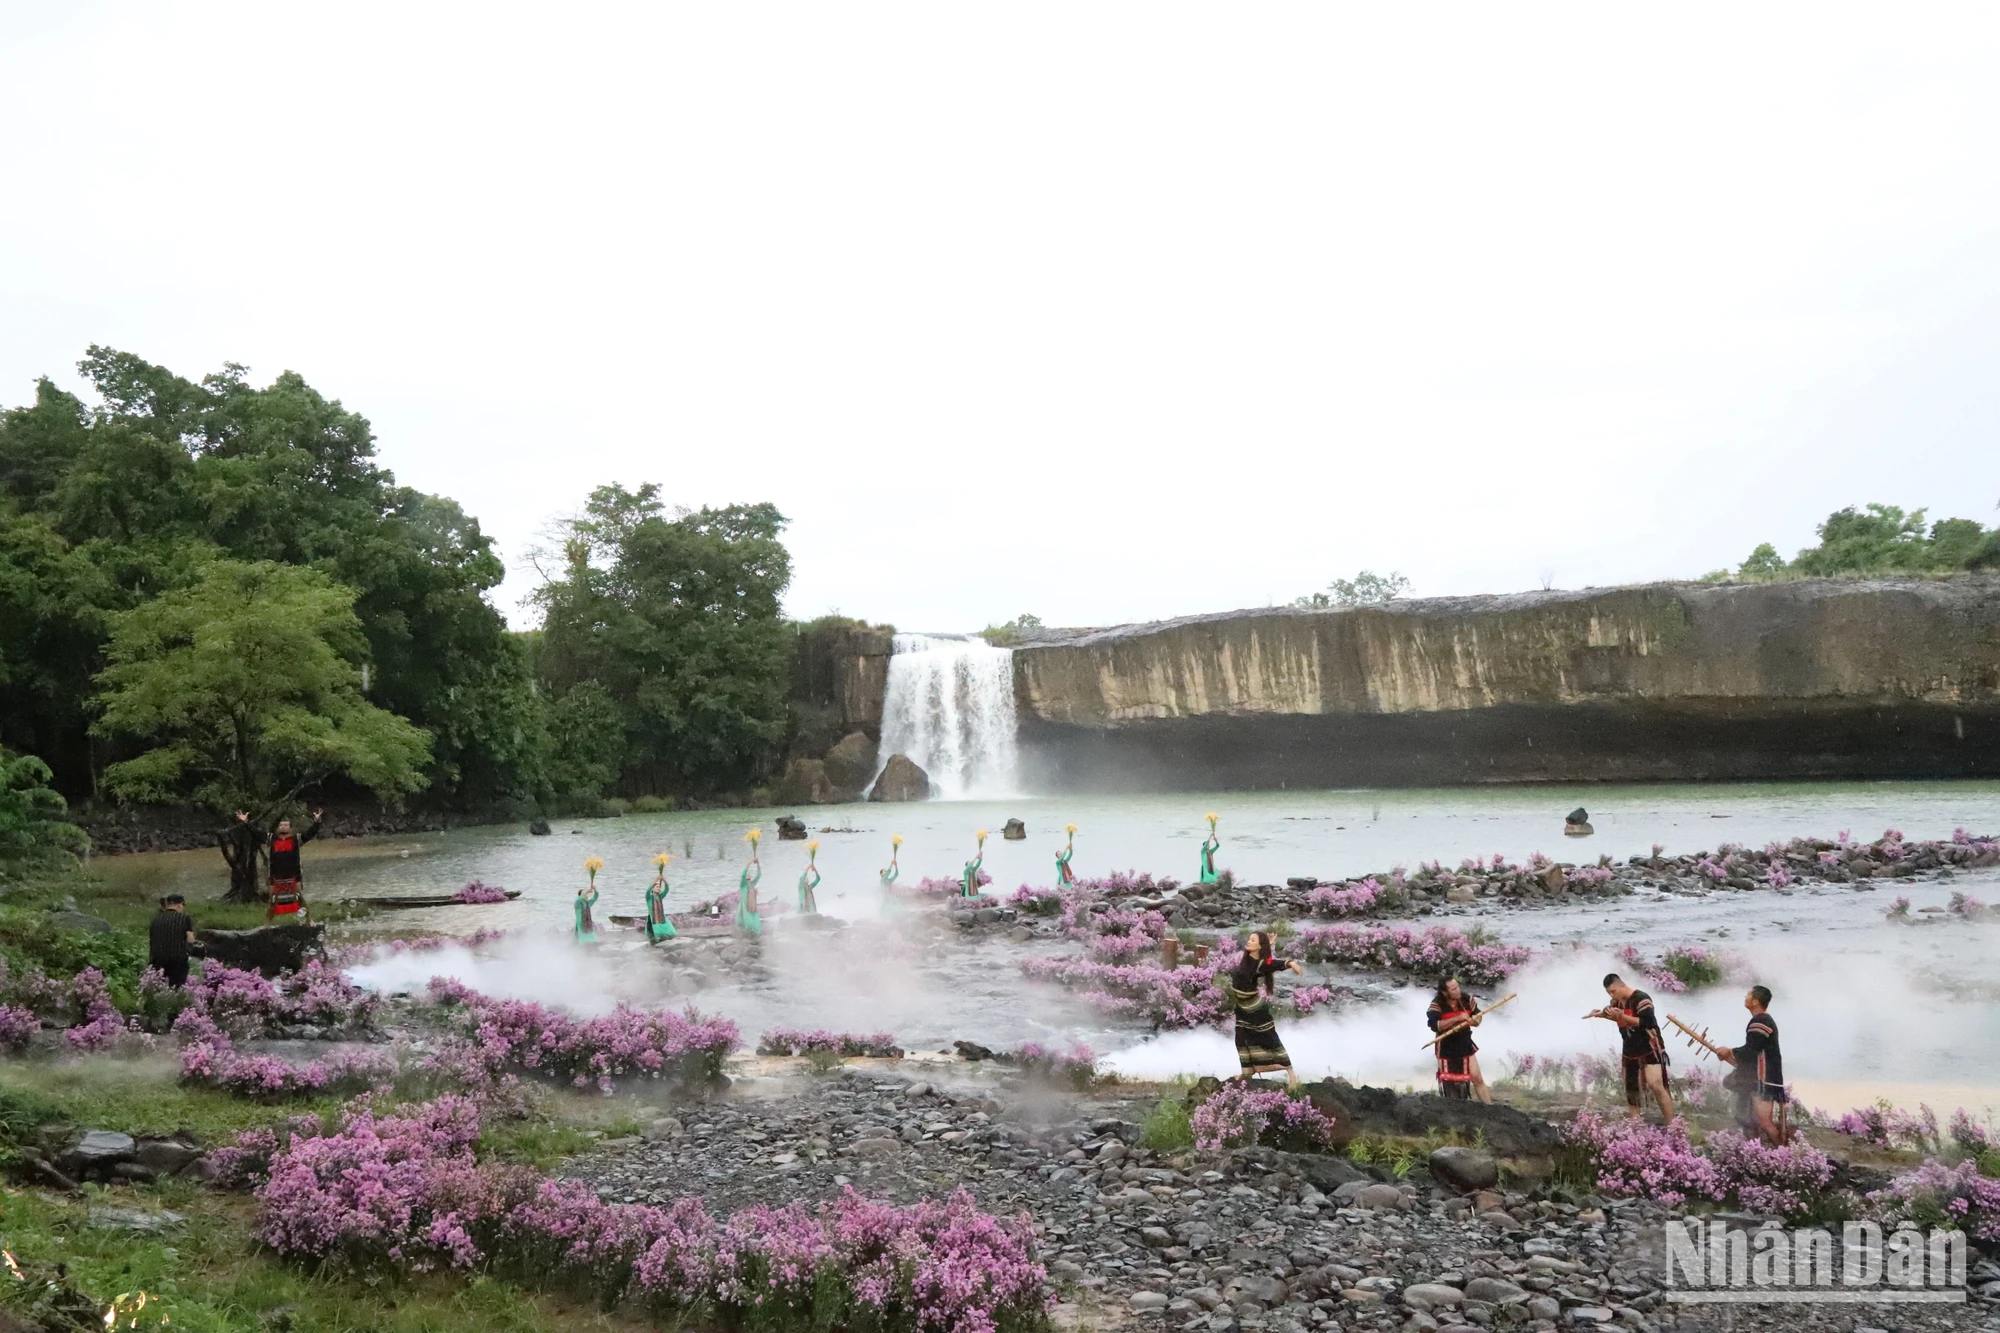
{"x":1866,"y":1007}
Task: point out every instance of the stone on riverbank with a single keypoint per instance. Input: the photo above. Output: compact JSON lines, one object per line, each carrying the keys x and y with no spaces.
{"x":901,"y":780}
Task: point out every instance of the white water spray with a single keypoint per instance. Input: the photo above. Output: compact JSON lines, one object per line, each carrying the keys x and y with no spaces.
{"x":950,"y":707}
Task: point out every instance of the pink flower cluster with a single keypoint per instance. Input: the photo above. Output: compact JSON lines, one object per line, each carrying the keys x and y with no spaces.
{"x":1120,"y":883}
{"x":1238,"y":1114}
{"x":99,"y":1023}
{"x":1779,"y":1182}
{"x":18,"y":1026}
{"x":497,"y":1036}
{"x":477,"y":892}
{"x":209,"y":1059}
{"x":1436,"y":951}
{"x":408,"y":1189}
{"x":796,"y":1041}
{"x":1076,"y":1066}
{"x":1183,"y":997}
{"x":932,"y":884}
{"x":1646,"y":1161}
{"x":1354,"y":900}
{"x":1889,"y":1126}
{"x":1035,"y":902}
{"x":1965,"y":905}
{"x":1658,"y":1162}
{"x":1308,"y":998}
{"x":1938,"y":1195}
{"x":245,"y":1003}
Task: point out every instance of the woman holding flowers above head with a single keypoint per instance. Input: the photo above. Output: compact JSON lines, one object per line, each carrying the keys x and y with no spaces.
{"x":1250,"y":987}
{"x":586,"y":898}
{"x":970,"y":887}
{"x":657,"y":926}
{"x":746,"y":889}
{"x":1208,"y":850}
{"x":1065,"y":878}
{"x":809,"y":880}
{"x":888,"y":874}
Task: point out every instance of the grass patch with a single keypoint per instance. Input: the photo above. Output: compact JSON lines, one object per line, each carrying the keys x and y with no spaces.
{"x":1166,"y":1127}
{"x":1402,"y":1153}
{"x":138,"y":1096}
{"x":208,"y":1274}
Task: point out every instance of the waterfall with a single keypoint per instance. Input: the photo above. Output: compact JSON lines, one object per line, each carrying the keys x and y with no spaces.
{"x":950,"y":707}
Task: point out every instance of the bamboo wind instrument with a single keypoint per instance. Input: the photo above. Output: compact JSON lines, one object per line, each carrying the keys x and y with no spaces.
{"x":1696,"y":1040}
{"x":1457,"y":1028}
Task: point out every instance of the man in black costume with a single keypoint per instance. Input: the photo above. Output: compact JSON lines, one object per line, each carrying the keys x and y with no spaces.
{"x":1759,"y":1077}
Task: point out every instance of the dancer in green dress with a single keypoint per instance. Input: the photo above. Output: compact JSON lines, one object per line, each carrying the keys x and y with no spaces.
{"x":747,"y":919}
{"x":890,"y":904}
{"x":970,"y":885}
{"x":809,"y":881}
{"x":1208,"y":850}
{"x":586,"y":898}
{"x":1065,"y":878}
{"x":657,"y":926}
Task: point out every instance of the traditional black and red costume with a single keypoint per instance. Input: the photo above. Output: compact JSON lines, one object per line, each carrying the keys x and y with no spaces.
{"x":1454,"y":1053}
{"x":287,"y":893}
{"x":1643,"y":1044}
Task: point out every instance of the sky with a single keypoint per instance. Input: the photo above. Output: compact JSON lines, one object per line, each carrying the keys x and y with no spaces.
{"x":1102,"y":312}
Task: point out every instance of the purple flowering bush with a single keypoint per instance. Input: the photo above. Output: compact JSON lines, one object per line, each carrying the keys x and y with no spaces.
{"x":496,"y":1037}
{"x":1436,"y":951}
{"x":476,"y":892}
{"x":1357,"y":899}
{"x":1239,"y":1114}
{"x":932,"y":884}
{"x":1681,"y":968}
{"x":1889,"y":1126}
{"x":1784,"y":1182}
{"x":1121,"y":883}
{"x":1305,"y":999}
{"x":797,"y":1041}
{"x":1936,"y":1195}
{"x":408,"y":1190}
{"x":1034,"y":901}
{"x":245,"y":1003}
{"x":18,"y":1026}
{"x":210,"y":1059}
{"x":1645,"y":1161}
{"x":1182,"y":997}
{"x":1077,"y":1066}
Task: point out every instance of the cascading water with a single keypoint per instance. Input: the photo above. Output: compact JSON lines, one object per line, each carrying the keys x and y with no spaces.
{"x":950,"y":707}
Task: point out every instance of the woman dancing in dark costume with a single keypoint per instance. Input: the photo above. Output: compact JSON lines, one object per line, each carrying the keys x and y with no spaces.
{"x":1250,"y":988}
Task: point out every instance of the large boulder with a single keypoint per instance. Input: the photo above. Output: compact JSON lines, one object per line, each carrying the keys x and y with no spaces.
{"x":270,"y":950}
{"x":851,"y":762}
{"x":901,"y":780}
{"x":1508,"y":1132}
{"x":805,"y":783}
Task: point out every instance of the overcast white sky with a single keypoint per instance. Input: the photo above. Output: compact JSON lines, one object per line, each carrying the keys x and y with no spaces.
{"x":1101,"y":311}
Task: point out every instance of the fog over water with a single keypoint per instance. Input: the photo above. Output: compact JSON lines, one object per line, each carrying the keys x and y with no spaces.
{"x":1867,"y":1008}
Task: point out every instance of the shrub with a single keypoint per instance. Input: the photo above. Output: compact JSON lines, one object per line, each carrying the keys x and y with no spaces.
{"x":407,"y":1191}
{"x":476,"y":892}
{"x":1636,"y":1159}
{"x":1437,"y":951}
{"x":653,"y":805}
{"x":1788,"y":1182}
{"x":1166,"y":1127}
{"x":1238,"y":1114}
{"x":1936,"y":1195}
{"x":499,"y":1036}
{"x":1077,"y":1066}
{"x":793,"y":1041}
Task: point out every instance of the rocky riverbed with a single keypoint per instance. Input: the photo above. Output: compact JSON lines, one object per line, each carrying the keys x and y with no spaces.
{"x":1254,"y":1239}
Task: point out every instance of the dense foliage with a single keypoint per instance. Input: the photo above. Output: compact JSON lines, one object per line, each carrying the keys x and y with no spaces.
{"x":663,"y":644}
{"x":165,"y":482}
{"x":211,"y":591}
{"x":1878,"y":539}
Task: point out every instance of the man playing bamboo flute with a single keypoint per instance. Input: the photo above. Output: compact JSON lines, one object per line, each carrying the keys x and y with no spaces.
{"x":1759,"y":1079}
{"x":1645,"y":1054}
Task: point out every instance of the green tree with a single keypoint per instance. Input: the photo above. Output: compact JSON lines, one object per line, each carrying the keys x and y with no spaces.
{"x":678,"y":620}
{"x":31,"y":824}
{"x":1365,"y":589}
{"x":1881,"y":539}
{"x":116,"y":503}
{"x":1763,"y":563}
{"x":586,"y":743}
{"x":1017,"y":630}
{"x":244,"y":689}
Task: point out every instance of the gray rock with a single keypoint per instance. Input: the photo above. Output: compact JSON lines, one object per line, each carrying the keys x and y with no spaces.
{"x":165,"y":1156}
{"x":901,"y":780}
{"x":69,"y":919}
{"x":1589,"y":1315}
{"x":1146,"y":1301}
{"x":1158,"y":1238}
{"x":666,"y":1127}
{"x":1464,"y":1169}
{"x":1544,"y":1307}
{"x":882,"y":1147}
{"x":1494,"y":1291}
{"x":1431,"y":1295}
{"x":1264,"y":1289}
{"x":1206,"y":1297}
{"x":851,"y":762}
{"x":101,"y":1147}
{"x":134,"y":1219}
{"x":1378,"y":1196}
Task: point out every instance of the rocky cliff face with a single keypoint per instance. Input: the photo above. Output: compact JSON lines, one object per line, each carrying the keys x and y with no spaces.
{"x":1892,"y":677}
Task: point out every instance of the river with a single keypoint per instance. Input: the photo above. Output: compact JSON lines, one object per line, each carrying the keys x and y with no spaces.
{"x":1869,"y":1009}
